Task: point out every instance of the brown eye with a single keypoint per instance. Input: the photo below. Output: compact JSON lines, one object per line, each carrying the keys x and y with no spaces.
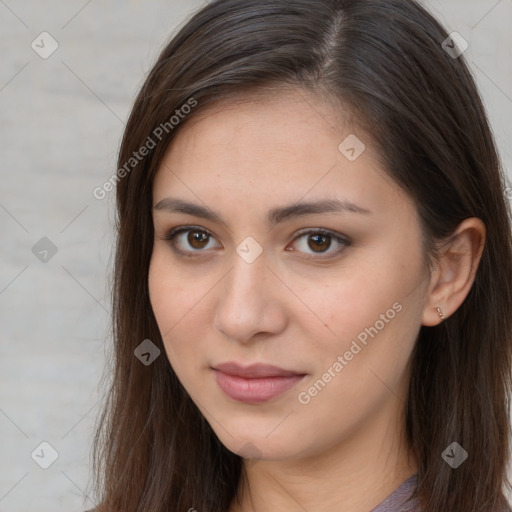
{"x":189,"y":241}
{"x":319,"y":242}
{"x":197,"y":239}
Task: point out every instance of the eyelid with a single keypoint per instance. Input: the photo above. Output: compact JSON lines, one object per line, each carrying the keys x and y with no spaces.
{"x":338,"y":237}
{"x":174,"y":232}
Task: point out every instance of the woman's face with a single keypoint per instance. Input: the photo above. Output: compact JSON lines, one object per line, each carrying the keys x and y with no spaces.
{"x":330,"y":297}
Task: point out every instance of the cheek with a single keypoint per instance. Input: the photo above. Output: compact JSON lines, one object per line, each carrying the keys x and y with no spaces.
{"x":171,"y":298}
{"x":162,"y":292}
{"x":179,"y":304}
{"x":370,"y":293}
{"x":371,"y":315}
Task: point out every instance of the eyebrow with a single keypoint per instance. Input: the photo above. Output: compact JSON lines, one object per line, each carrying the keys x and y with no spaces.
{"x":274,"y":216}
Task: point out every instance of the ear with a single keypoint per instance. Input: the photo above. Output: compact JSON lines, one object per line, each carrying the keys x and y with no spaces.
{"x":454,"y":274}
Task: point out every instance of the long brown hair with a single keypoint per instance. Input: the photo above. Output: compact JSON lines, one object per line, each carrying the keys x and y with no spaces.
{"x":386,"y":61}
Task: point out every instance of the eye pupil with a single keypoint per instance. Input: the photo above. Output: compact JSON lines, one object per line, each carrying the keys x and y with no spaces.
{"x":318,"y":240}
{"x":196,"y":239}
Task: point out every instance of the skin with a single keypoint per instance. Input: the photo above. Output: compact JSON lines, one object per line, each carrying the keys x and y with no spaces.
{"x":343,"y":450}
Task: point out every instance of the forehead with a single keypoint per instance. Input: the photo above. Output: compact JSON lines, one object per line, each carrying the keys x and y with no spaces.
{"x":265,"y":121}
{"x":270,"y":148}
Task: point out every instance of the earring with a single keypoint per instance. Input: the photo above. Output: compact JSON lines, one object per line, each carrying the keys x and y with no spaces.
{"x":440,"y":313}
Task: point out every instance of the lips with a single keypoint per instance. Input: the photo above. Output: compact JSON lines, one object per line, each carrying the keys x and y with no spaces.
{"x":255,"y":383}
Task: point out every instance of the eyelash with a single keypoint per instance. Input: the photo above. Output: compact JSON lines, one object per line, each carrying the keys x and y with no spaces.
{"x":173,"y":233}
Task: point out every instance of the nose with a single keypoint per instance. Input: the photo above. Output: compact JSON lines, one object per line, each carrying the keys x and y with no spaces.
{"x":250,"y":301}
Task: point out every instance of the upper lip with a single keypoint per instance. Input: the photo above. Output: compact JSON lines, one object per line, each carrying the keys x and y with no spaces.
{"x":257,"y":370}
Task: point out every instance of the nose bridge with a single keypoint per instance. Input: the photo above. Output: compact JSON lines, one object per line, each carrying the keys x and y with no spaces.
{"x":246,"y":304}
{"x":247,"y":283}
{"x":249,"y":269}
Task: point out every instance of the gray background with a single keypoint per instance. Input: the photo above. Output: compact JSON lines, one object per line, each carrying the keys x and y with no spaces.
{"x":60,"y":128}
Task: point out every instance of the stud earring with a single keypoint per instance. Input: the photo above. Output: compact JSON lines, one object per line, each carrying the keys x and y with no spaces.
{"x":440,"y":313}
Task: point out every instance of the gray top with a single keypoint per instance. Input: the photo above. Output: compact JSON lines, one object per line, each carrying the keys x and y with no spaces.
{"x":395,"y":502}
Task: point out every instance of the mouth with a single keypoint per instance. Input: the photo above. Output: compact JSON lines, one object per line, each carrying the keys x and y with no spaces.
{"x":256,"y":383}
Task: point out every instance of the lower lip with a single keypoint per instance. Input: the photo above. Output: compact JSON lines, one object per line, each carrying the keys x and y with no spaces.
{"x":256,"y":390}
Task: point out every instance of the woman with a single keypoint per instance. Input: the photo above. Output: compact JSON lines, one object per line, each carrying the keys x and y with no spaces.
{"x":312,"y":282}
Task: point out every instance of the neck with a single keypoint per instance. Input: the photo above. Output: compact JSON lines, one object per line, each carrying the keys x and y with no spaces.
{"x":353,"y":476}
